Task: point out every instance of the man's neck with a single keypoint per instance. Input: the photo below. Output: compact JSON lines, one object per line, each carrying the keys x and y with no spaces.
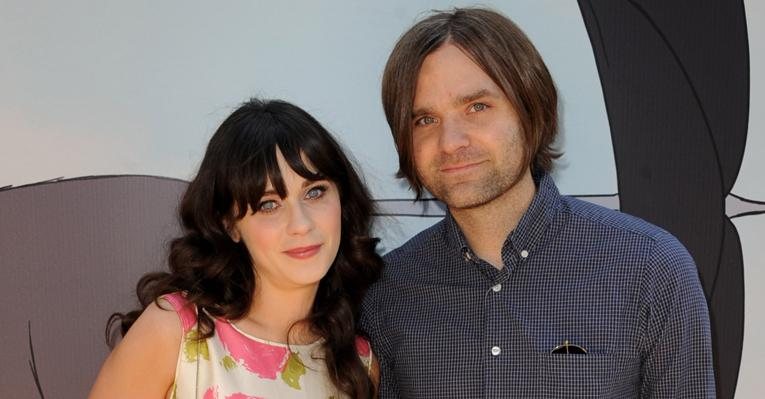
{"x":486,"y":227}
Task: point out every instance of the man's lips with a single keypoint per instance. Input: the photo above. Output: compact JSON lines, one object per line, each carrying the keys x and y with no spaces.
{"x":460,"y":167}
{"x":303,"y":252}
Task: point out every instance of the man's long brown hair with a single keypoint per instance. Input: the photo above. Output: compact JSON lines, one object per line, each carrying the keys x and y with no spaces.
{"x":503,"y":51}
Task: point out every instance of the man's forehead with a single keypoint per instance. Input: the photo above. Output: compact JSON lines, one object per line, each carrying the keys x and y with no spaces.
{"x":450,"y":74}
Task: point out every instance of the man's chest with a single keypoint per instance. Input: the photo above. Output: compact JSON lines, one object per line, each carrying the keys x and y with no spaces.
{"x":494,"y":337}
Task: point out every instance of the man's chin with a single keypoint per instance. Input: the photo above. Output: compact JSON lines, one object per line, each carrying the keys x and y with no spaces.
{"x":471,"y":195}
{"x":459,"y":199}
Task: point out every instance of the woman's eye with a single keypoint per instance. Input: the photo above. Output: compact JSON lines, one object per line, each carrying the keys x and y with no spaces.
{"x":425,"y":120}
{"x":316,"y":192}
{"x":267,"y":206}
{"x":478,"y":107}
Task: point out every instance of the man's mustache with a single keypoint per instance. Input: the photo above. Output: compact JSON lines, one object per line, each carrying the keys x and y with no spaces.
{"x":461,"y":157}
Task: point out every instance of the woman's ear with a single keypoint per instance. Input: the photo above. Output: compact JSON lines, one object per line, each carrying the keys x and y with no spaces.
{"x":232,"y":231}
{"x":234,"y":234}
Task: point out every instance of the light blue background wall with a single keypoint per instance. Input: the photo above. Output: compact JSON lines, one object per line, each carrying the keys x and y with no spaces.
{"x":93,"y":88}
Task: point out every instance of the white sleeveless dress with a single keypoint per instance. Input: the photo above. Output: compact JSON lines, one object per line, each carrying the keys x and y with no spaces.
{"x":232,"y":364}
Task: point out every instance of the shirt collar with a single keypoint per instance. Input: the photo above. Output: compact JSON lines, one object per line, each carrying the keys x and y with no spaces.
{"x":530,"y":229}
{"x":538,"y":217}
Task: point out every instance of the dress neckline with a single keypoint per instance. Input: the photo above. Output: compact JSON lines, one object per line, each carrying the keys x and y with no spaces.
{"x":272,"y":343}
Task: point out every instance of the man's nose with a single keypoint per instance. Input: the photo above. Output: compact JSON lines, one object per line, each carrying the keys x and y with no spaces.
{"x":454,"y":136}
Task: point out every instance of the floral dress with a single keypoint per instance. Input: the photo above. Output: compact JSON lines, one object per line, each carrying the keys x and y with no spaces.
{"x":235,"y":365}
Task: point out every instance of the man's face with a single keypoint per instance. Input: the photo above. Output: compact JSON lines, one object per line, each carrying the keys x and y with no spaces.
{"x":467,"y":140}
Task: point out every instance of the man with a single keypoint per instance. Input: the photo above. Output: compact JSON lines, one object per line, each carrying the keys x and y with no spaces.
{"x":519,"y":291}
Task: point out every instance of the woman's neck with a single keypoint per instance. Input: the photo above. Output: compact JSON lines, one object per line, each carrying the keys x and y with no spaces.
{"x":274,"y":314}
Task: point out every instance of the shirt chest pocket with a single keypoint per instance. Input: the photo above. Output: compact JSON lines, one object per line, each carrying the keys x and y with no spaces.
{"x":575,"y":375}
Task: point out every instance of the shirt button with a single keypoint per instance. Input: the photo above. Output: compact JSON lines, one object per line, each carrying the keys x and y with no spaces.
{"x":495,"y":351}
{"x":497,"y":288}
{"x":524,"y":254}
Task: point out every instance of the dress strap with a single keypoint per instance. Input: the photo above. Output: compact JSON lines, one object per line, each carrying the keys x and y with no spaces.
{"x":186,"y":311}
{"x":364,"y":349}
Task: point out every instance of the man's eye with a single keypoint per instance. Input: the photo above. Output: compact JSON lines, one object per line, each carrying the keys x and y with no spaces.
{"x":316,"y":192}
{"x":425,"y":120}
{"x":267,"y":206}
{"x":478,"y":107}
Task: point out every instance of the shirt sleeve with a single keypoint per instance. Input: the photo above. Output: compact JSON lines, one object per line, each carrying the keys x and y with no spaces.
{"x":370,"y":325}
{"x":677,"y":347}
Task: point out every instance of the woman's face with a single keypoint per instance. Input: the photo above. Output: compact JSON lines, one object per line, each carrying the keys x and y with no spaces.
{"x":294,"y":240}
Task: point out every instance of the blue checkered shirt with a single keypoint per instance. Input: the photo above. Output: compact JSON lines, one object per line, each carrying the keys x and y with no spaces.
{"x":446,"y":324}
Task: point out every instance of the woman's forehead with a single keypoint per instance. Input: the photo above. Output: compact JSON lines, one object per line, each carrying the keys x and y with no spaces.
{"x":285,"y":166}
{"x":288,"y":176}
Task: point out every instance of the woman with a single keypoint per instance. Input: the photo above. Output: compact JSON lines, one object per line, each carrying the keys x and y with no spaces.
{"x":264,"y":285}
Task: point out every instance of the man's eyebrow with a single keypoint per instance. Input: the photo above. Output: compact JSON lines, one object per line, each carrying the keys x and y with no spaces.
{"x":461,"y":100}
{"x":421,"y":111}
{"x":470,"y":97}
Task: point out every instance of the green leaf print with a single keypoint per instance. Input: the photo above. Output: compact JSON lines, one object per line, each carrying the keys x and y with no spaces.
{"x":293,"y":370}
{"x":228,"y":363}
{"x":194,"y":348}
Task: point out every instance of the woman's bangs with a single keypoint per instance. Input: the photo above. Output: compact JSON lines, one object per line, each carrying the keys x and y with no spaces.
{"x":296,"y":154}
{"x":249,"y":183}
{"x":303,"y":151}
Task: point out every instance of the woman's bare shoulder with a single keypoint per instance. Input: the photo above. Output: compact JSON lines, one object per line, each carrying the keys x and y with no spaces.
{"x":143,"y":363}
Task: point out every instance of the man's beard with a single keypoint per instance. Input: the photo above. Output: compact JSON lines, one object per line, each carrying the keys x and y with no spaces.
{"x":491,"y":184}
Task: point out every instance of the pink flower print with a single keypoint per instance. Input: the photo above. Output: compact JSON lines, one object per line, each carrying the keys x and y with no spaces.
{"x":185,"y":312}
{"x":362,"y":347}
{"x":259,"y":358}
{"x":242,"y":396}
{"x":211,"y":393}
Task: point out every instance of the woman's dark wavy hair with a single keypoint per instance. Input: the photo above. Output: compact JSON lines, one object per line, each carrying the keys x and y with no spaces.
{"x":216,"y":273}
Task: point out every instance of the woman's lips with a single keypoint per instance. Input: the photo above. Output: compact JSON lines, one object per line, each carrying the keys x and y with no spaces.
{"x":303,"y":252}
